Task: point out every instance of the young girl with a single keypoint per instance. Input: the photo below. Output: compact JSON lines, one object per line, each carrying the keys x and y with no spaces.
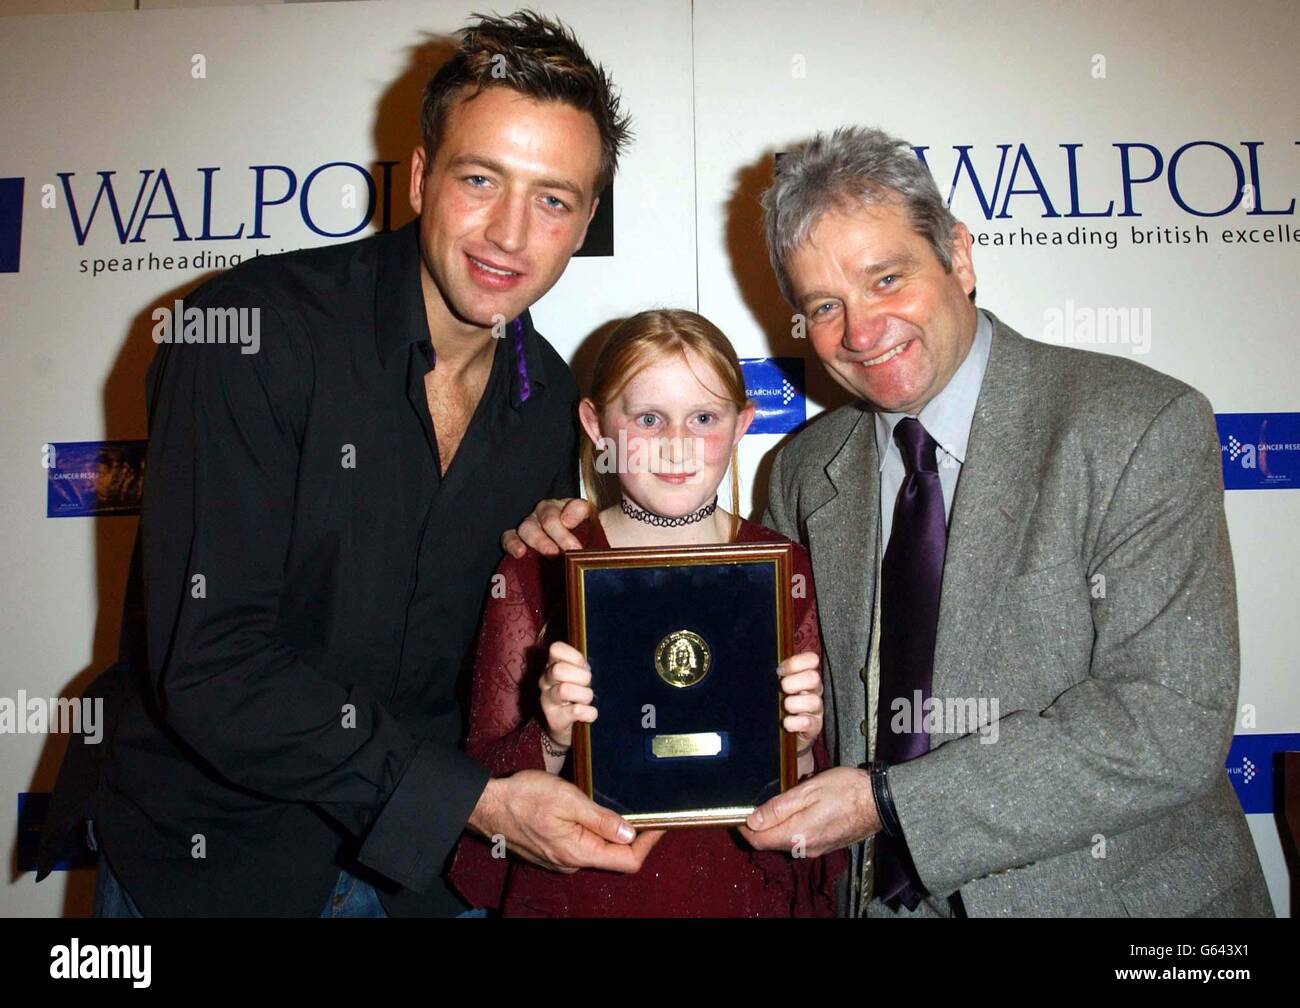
{"x":668,"y":404}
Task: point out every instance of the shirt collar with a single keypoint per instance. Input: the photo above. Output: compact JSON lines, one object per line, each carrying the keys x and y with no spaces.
{"x":948,"y":416}
{"x":400,"y":318}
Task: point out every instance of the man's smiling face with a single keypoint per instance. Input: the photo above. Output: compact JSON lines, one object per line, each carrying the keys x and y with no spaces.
{"x":504,"y":204}
{"x":890,"y":324}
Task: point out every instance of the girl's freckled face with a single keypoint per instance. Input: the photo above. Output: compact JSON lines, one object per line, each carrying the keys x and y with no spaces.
{"x":679,"y":432}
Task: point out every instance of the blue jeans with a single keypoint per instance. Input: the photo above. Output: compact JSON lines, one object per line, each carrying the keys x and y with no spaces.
{"x":352,"y":897}
{"x":111,"y":900}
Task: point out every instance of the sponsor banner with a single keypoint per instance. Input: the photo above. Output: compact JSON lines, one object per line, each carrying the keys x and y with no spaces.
{"x":776,"y":386}
{"x":1250,"y":767}
{"x":1261,"y":451}
{"x":89,"y":478}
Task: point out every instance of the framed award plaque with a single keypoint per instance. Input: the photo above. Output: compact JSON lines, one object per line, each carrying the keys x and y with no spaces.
{"x":683,"y":644}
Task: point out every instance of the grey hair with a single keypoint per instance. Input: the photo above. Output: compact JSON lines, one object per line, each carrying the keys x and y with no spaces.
{"x":853,"y":164}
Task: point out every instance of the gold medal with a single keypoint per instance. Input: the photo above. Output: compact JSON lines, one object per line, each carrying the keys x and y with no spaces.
{"x":682,"y":658}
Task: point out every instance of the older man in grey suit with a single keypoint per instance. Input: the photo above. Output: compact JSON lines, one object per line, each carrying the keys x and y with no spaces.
{"x":1024,"y":579}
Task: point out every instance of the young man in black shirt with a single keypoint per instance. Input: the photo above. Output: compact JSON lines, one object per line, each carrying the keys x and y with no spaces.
{"x":320,"y":526}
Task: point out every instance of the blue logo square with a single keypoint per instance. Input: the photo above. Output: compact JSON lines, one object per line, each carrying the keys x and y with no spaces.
{"x":776,"y":385}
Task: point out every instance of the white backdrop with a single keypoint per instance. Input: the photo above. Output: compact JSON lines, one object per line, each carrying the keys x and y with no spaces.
{"x":715,"y":89}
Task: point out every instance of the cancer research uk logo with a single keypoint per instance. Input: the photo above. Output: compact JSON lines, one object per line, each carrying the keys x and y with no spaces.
{"x":775,"y":384}
{"x":1261,"y":451}
{"x":1250,"y":766}
{"x":87,"y":478}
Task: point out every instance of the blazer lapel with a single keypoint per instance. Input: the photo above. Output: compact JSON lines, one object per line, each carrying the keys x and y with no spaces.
{"x":995,"y":495}
{"x":842,"y":541}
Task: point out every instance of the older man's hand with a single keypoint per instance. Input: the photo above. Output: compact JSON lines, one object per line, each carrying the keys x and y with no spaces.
{"x":550,"y":822}
{"x":833,"y":809}
{"x":547,"y":529}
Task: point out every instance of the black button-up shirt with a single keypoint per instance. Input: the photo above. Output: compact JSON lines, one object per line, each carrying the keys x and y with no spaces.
{"x":312,"y":588}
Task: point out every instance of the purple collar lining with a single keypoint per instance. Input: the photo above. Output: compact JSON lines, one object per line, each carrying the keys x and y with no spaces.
{"x":525,"y":389}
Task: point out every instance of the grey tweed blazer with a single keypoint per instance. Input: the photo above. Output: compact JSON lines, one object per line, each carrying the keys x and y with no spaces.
{"x":1088,"y":588}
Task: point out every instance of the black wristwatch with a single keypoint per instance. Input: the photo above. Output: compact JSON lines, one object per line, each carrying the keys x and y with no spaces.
{"x":879,"y":771}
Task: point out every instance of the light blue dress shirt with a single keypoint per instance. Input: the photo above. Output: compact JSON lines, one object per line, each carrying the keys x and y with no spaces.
{"x":947,"y":417}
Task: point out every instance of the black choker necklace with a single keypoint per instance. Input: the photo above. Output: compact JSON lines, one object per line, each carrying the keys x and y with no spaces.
{"x":650,"y":518}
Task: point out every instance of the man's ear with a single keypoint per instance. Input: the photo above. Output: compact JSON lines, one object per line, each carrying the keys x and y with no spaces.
{"x":590,"y":420}
{"x":743,"y":420}
{"x":418,"y":171}
{"x":583,"y":237}
{"x":963,"y":262}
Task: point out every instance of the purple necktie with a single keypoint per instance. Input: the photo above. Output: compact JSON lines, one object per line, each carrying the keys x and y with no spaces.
{"x":911,"y":575}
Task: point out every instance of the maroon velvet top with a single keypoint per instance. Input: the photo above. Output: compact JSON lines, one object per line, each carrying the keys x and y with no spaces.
{"x":690,"y":872}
